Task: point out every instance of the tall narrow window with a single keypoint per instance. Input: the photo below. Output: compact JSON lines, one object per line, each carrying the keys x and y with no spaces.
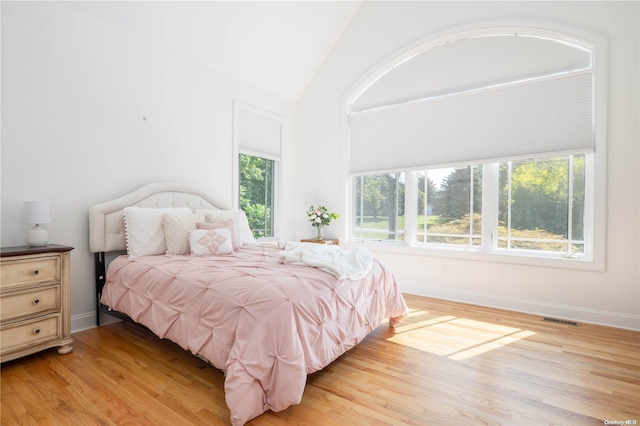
{"x":256,"y":193}
{"x":257,"y":134}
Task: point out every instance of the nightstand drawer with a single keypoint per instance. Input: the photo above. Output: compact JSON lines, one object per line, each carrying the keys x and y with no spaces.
{"x":29,"y":271}
{"x":27,"y":333}
{"x":30,"y":303}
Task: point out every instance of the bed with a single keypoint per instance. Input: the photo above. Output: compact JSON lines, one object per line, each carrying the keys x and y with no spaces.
{"x":267,"y":314}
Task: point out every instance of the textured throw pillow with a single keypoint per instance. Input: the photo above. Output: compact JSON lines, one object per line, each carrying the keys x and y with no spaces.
{"x":225,"y":224}
{"x":177,"y":229}
{"x":209,"y":242}
{"x":240,"y":223}
{"x":144,"y":231}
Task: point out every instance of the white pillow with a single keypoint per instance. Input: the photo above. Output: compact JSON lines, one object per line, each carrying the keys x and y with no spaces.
{"x":208,"y":242}
{"x":240,"y":222}
{"x":144,"y":231}
{"x":177,"y":229}
{"x":226,"y":224}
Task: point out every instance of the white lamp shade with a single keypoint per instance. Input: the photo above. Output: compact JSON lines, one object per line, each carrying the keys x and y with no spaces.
{"x":36,"y":212}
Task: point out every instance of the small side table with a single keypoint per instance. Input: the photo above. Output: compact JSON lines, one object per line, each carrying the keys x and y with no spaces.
{"x":327,"y":241}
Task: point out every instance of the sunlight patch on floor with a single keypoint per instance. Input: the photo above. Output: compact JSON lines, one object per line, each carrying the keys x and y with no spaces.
{"x":454,"y":337}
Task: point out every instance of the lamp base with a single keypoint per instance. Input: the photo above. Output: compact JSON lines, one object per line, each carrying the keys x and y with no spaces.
{"x":37,"y":237}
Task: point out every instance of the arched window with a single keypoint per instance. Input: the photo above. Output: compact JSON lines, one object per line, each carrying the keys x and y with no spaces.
{"x":485,"y":141}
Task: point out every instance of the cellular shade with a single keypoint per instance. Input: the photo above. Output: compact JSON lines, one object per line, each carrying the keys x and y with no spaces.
{"x":258,"y":135}
{"x":526,"y":119}
{"x":471,"y":63}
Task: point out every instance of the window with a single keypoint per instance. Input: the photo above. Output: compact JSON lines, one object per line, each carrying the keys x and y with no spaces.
{"x":540,"y":206}
{"x":257,"y":139}
{"x":379,"y":207}
{"x":256,"y":193}
{"x":498,"y":161}
{"x":450,"y":206}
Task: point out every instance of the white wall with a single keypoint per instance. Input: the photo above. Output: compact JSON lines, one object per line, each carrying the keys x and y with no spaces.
{"x":379,"y":31}
{"x":90,"y":112}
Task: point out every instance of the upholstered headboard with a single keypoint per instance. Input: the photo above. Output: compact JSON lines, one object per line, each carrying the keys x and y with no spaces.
{"x":106,"y":221}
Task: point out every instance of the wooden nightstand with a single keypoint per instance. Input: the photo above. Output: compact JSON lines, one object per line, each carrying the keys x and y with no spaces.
{"x":35,"y":299}
{"x":327,"y":241}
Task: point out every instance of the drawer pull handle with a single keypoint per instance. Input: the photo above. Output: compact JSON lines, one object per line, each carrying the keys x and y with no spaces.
{"x":36,"y":331}
{"x":36,"y":272}
{"x":36,"y":301}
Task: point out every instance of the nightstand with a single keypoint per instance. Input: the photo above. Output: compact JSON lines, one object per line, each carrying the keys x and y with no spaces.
{"x":35,"y":299}
{"x":327,"y":241}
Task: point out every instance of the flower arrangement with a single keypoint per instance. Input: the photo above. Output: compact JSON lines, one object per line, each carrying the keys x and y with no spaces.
{"x":319,"y":217}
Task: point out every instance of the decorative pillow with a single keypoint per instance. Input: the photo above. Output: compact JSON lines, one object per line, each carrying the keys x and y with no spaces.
{"x":144,"y":231}
{"x":177,"y":229}
{"x":240,"y":223}
{"x":225,"y":224}
{"x":209,"y":242}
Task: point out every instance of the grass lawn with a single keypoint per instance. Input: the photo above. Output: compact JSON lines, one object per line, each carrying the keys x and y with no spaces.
{"x":383,"y":222}
{"x":523,"y":239}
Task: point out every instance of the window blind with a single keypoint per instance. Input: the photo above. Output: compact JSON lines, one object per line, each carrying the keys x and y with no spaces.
{"x":258,"y":136}
{"x":534,"y":118}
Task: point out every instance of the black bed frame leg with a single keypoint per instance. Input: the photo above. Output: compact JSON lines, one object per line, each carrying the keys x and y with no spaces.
{"x":100,"y":272}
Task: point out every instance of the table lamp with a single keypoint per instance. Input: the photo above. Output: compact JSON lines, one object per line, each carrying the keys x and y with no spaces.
{"x":37,"y":212}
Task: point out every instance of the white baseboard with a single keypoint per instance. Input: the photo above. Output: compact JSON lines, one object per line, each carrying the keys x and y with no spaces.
{"x":88,"y":320}
{"x":565,"y":312}
{"x":83,"y":322}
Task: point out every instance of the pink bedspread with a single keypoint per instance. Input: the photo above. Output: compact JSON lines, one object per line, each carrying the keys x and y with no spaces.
{"x":266,"y":324}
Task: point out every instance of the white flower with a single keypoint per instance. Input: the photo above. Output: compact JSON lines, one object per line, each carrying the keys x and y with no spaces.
{"x":319,"y":216}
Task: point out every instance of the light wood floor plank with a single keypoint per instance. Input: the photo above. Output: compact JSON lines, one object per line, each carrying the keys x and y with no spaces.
{"x":447,"y":363}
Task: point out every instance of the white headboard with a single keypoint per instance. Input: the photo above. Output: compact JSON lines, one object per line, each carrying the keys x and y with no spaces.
{"x":106,"y":221}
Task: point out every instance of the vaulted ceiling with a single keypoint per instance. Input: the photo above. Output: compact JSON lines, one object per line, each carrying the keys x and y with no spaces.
{"x":277,"y":46}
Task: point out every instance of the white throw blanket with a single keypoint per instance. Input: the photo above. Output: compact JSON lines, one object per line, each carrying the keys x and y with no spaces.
{"x":352,"y":264}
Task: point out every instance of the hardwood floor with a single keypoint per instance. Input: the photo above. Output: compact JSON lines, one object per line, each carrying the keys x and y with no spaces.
{"x":448,"y":363}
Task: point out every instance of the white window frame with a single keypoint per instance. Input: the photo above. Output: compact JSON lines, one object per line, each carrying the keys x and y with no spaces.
{"x":595,"y":165}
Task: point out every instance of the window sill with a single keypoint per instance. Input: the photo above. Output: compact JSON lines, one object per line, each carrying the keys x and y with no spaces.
{"x":476,"y":255}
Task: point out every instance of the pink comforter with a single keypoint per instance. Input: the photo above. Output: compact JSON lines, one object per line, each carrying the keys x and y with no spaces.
{"x":266,"y":324}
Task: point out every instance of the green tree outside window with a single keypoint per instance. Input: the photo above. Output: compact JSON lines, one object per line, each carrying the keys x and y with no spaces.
{"x":256,"y":193}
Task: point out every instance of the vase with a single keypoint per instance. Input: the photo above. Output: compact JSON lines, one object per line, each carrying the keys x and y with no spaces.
{"x":318,"y":232}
